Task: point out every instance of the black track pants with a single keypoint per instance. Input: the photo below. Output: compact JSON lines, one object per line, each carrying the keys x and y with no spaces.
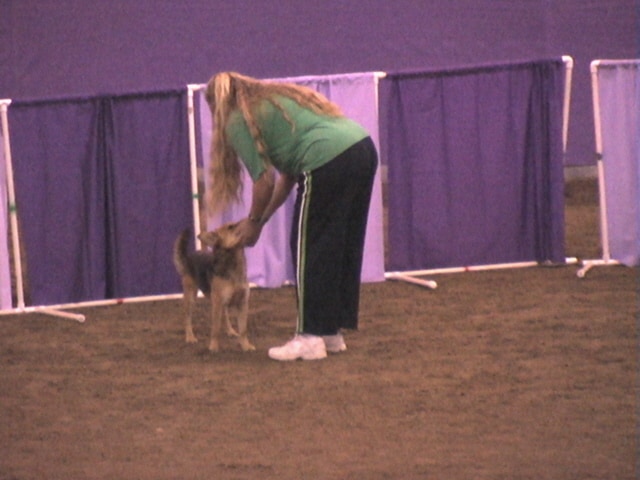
{"x":327,"y":239}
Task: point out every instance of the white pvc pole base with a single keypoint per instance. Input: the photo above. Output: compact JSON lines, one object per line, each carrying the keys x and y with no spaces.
{"x":408,"y":276}
{"x":589,"y":264}
{"x":404,"y":277}
{"x":55,"y":312}
{"x":78,"y":317}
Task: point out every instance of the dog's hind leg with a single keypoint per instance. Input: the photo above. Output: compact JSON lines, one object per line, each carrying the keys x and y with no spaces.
{"x":227,"y":324}
{"x":189,"y":299}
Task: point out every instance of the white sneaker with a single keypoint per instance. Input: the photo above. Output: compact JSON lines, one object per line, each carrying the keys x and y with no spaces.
{"x":306,"y":347}
{"x":334,"y":343}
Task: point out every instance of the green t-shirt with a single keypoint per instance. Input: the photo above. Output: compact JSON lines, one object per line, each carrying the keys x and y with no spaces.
{"x":309,"y":143}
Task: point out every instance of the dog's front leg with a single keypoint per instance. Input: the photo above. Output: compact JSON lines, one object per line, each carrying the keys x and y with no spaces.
{"x":217,"y":311}
{"x":228,"y":327}
{"x":243,"y":316}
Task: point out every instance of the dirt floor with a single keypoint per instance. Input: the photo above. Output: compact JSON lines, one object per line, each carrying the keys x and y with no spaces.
{"x":510,"y":374}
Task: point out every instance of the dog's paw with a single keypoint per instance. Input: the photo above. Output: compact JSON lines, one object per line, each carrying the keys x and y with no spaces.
{"x":247,"y":346}
{"x":190,"y":338}
{"x":213,"y":346}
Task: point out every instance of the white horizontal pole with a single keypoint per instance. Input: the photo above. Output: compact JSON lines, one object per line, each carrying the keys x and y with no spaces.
{"x":477,"y":268}
{"x":194,"y":87}
{"x":595,"y":64}
{"x":51,"y":309}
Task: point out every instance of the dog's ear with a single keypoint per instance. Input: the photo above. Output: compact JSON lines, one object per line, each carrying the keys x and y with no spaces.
{"x":227,"y":227}
{"x":210,"y":239}
{"x":228,"y":236}
{"x":230,"y":241}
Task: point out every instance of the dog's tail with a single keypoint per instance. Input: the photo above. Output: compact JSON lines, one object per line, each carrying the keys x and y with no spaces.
{"x":180,"y":252}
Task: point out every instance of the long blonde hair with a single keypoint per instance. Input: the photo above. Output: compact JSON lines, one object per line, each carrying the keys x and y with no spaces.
{"x":230,"y":91}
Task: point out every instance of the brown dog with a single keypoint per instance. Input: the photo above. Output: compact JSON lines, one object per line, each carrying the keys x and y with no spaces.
{"x":221,"y":275}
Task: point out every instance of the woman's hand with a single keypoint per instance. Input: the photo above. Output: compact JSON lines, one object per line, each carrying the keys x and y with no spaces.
{"x":248,"y":231}
{"x":268,"y":196}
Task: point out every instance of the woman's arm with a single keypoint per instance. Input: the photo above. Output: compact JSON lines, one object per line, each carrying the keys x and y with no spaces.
{"x":267,"y":198}
{"x":283,"y":187}
{"x":262,"y":191}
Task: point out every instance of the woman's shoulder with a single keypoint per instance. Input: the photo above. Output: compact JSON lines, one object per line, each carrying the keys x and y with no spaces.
{"x":281,"y":101}
{"x":234,"y":120}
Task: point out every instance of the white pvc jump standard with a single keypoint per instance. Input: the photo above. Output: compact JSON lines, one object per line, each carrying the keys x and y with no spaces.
{"x":56,"y":310}
{"x":606,"y":259}
{"x":195,"y":195}
{"x":195,"y":87}
{"x":409,"y":276}
{"x":13,"y":220}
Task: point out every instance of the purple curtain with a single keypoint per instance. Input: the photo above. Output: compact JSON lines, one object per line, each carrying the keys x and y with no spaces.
{"x":58,"y":177}
{"x":475,"y":165}
{"x":619,"y":89}
{"x":102,"y":187}
{"x":147,"y":191}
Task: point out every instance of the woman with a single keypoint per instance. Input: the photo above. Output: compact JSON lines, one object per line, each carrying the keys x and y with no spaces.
{"x":294,"y":131}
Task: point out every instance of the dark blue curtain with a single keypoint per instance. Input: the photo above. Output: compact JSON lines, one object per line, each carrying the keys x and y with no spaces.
{"x":102,"y":188}
{"x":59,"y":182}
{"x":474,"y":165}
{"x":148,"y":191}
